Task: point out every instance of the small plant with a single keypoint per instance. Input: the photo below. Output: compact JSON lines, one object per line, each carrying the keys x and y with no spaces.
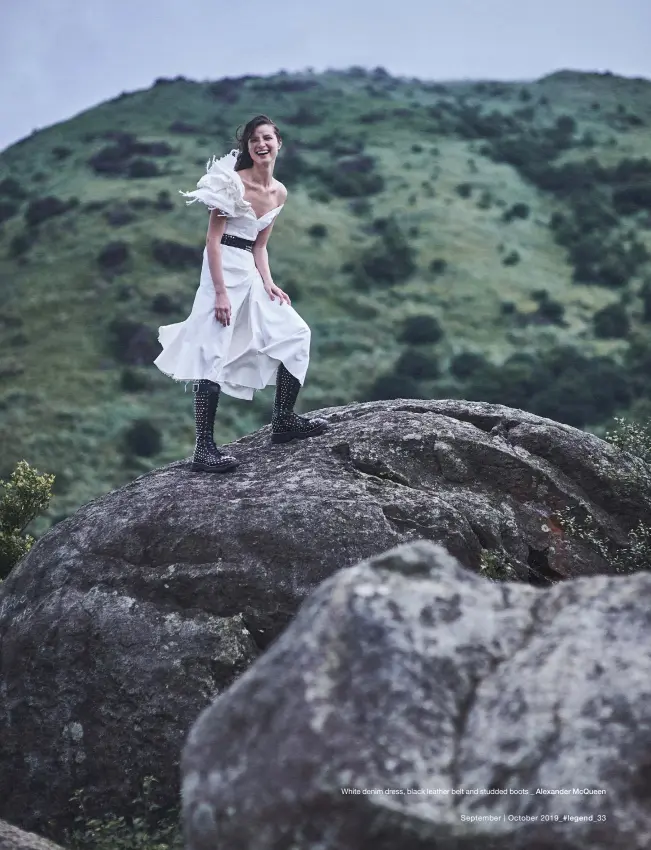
{"x":631,"y":437}
{"x":633,"y":556}
{"x":149,"y":828}
{"x":511,"y":259}
{"x":495,"y":566}
{"x":26,"y":495}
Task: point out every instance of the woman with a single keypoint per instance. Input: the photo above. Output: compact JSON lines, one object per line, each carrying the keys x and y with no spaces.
{"x":242,"y":333}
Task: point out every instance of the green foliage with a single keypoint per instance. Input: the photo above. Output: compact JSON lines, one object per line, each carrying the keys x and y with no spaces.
{"x":24,"y":496}
{"x":421,"y":329}
{"x":387,"y":262}
{"x":612,"y":322}
{"x":175,"y":256}
{"x":143,"y":439}
{"x":632,"y":557}
{"x":519,"y":210}
{"x":113,"y":256}
{"x":495,"y":565}
{"x":632,"y":437}
{"x":318,"y":231}
{"x":418,"y":364}
{"x":8,"y":210}
{"x":148,"y":828}
{"x":41,"y":209}
{"x":440,"y":260}
{"x":511,"y":259}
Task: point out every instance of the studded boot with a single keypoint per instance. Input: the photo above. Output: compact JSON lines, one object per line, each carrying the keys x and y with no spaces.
{"x":207,"y":457}
{"x":285,"y":424}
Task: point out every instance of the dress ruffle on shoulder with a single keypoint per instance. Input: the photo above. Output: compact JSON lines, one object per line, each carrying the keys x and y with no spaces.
{"x":220,"y":188}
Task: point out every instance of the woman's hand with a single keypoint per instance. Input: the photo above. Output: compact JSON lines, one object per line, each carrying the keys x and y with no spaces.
{"x":274,"y":292}
{"x":223,"y":308}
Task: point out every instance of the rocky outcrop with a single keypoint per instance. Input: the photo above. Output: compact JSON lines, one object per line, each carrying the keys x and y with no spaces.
{"x":12,"y":838}
{"x":126,"y":620}
{"x":413,"y":704}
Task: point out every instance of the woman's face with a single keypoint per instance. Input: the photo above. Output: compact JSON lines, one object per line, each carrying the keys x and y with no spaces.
{"x":264,"y":144}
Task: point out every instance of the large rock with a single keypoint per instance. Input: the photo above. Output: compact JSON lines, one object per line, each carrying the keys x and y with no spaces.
{"x":414,"y":705}
{"x":12,"y":838}
{"x":124,"y":621}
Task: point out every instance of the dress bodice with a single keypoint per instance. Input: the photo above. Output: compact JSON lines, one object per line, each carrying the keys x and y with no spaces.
{"x":221,"y":188}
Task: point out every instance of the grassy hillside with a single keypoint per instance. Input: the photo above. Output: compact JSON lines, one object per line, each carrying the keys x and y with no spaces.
{"x":479,"y":240}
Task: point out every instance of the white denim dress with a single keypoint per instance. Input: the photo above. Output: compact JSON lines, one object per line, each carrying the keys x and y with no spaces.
{"x":243,"y":356}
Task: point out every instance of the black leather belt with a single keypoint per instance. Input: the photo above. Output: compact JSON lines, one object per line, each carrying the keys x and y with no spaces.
{"x":237,"y":242}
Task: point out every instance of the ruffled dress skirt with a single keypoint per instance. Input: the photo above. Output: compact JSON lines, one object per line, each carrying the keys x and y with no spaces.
{"x":244,"y":356}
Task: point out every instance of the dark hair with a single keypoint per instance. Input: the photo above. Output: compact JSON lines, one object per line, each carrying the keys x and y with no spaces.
{"x":244,"y":157}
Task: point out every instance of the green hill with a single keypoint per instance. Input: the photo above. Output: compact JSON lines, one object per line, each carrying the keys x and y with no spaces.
{"x":480,"y":239}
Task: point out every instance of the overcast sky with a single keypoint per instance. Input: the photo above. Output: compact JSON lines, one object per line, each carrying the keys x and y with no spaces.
{"x":60,"y":57}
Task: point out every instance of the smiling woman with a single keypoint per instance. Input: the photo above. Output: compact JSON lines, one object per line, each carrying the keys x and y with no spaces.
{"x":242,"y":333}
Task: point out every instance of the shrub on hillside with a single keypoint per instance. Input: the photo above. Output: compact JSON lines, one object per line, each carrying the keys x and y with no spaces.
{"x":612,"y":322}
{"x":19,"y":245}
{"x":163,"y":201}
{"x":113,"y":256}
{"x":143,"y":439}
{"x":354,"y":176}
{"x":41,"y":209}
{"x":60,"y":153}
{"x":226,"y":90}
{"x":132,"y":381}
{"x":421,"y":330}
{"x":466,"y":363}
{"x":511,"y":259}
{"x":11,"y":188}
{"x":516,"y":211}
{"x":562,"y":384}
{"x":163,"y":304}
{"x":628,"y":200}
{"x":141,"y":168}
{"x":117,"y":159}
{"x":305,"y":116}
{"x":438,"y":266}
{"x":390,"y":260}
{"x":390,"y":386}
{"x":119,"y":215}
{"x":131,"y":342}
{"x":417,"y":364}
{"x":292,"y":166}
{"x":175,"y":256}
{"x":8,"y":210}
{"x":23,"y":497}
{"x":645,"y":295}
{"x":318,"y":231}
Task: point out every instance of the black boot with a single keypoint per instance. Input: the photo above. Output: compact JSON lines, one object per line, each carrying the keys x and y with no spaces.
{"x":285,"y":424}
{"x":207,"y":457}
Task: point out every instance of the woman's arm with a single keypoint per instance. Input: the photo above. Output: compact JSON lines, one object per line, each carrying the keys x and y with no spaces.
{"x":216,"y":227}
{"x":261,"y":255}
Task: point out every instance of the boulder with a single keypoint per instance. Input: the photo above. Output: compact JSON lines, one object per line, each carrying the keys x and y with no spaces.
{"x":414,"y":704}
{"x":126,"y":620}
{"x":12,"y":838}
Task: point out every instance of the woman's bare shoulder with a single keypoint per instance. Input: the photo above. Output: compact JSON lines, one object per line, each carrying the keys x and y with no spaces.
{"x":282,"y":191}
